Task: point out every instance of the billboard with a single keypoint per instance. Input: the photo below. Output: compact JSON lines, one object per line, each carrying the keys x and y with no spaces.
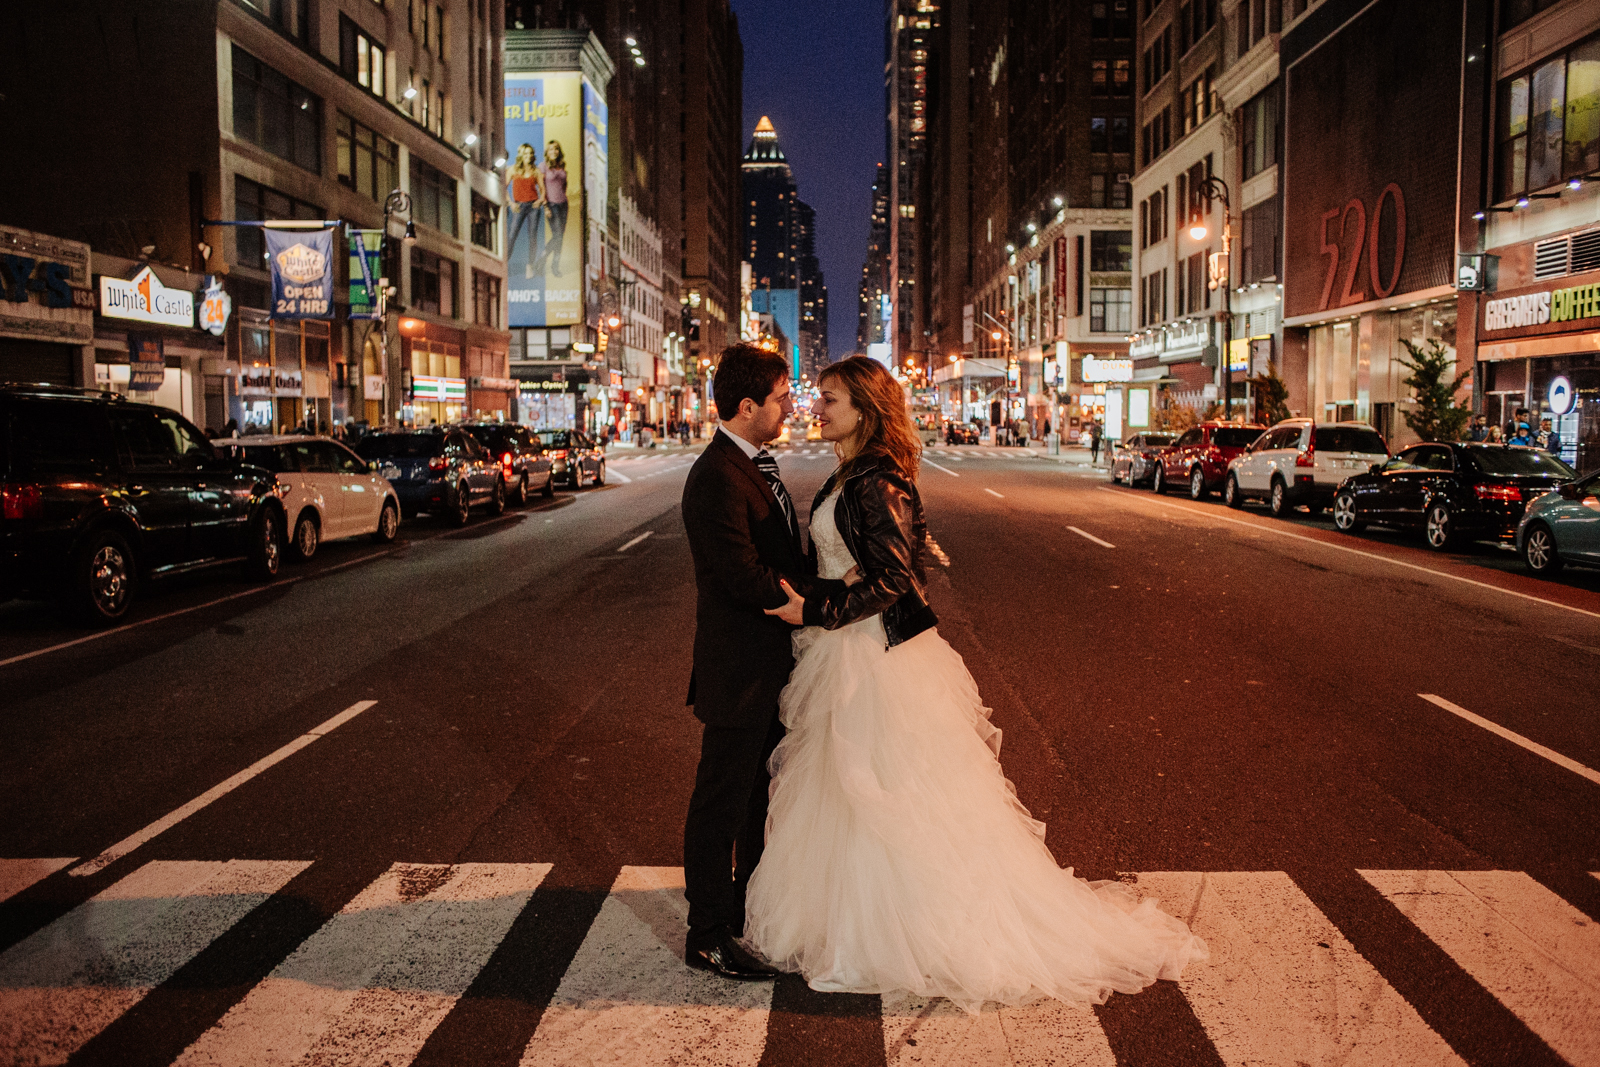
{"x":544,"y":193}
{"x":1370,"y":156}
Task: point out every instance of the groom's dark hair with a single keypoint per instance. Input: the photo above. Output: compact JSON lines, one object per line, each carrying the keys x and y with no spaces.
{"x":746,"y":371}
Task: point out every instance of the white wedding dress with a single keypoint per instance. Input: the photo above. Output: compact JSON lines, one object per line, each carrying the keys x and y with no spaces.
{"x":898,"y":856}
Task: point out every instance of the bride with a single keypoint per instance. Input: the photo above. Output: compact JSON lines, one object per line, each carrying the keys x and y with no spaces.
{"x":898,"y":856}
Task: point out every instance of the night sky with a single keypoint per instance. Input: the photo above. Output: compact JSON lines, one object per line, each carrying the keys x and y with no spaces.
{"x":816,"y":68}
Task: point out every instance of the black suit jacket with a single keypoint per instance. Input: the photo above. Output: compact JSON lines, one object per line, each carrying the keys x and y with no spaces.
{"x":742,"y":547}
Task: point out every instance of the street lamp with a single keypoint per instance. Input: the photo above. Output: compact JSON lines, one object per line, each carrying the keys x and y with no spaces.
{"x":396,"y":202}
{"x":1214,"y":188}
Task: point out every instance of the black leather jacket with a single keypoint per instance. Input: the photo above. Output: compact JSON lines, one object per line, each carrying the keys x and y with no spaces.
{"x":879,"y":515}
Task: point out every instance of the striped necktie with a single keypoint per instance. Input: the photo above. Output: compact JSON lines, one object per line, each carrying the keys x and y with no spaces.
{"x":768,"y":466}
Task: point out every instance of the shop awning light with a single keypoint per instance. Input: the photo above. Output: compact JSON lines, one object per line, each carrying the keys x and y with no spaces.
{"x":1523,"y":201}
{"x":1575,"y":183}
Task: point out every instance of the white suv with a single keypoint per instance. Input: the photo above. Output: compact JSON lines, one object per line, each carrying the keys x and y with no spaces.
{"x":329,"y":491}
{"x":1300,"y":461}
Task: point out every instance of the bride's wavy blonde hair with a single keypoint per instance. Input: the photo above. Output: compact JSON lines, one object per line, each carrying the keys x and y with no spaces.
{"x":886,"y":432}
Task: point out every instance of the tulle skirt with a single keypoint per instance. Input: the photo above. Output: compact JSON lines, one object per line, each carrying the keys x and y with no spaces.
{"x":899,"y":858}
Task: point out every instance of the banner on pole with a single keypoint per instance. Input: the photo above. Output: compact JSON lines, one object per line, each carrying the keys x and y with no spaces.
{"x":365,"y":270}
{"x":147,"y":363}
{"x":302,"y":273}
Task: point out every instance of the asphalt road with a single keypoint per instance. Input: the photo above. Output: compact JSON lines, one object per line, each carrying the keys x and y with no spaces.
{"x":423,"y":804}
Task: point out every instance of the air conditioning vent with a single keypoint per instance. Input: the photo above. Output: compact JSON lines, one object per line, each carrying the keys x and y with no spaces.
{"x":1585,"y":252}
{"x":1550,"y":258}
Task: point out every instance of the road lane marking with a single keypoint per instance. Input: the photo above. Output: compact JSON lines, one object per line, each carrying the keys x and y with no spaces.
{"x":918,"y":1032}
{"x":925,"y":459}
{"x":635,"y":541}
{"x":1091,"y":537}
{"x":992,"y":493}
{"x":627,"y":997}
{"x":1537,"y":954}
{"x":1283,"y":985}
{"x":69,"y":981}
{"x":172,"y":818}
{"x":17,"y":875}
{"x":618,"y":476}
{"x":1515,"y":738}
{"x":1352,"y":551}
{"x":374,"y":982}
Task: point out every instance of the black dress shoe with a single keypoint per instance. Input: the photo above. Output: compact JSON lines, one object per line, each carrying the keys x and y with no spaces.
{"x":725,"y":956}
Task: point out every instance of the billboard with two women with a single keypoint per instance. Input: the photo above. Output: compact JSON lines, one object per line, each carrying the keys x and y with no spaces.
{"x":544,"y":215}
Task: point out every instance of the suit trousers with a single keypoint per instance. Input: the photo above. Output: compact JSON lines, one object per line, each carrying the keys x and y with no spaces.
{"x":727,"y":825}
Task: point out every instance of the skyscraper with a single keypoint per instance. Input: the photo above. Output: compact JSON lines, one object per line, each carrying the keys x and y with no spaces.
{"x":780,"y":242}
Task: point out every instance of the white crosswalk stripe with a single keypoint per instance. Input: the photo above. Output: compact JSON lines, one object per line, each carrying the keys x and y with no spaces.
{"x":627,"y":998}
{"x":376,"y":979}
{"x":72,"y":979}
{"x":1536,"y":953}
{"x":1283,"y":985}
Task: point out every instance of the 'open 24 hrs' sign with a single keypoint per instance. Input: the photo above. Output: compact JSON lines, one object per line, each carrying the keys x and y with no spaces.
{"x":1352,"y":221}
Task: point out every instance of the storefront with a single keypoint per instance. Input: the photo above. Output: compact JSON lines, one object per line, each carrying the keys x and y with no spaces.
{"x":1539,"y":347}
{"x":147,"y":342}
{"x":46,"y":309}
{"x":281,"y":376}
{"x":554,"y":403}
{"x":968,"y":388}
{"x":436,"y":385}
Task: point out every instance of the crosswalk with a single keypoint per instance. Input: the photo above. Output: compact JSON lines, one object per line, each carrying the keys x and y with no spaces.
{"x":1283,"y":986}
{"x":684,"y":460}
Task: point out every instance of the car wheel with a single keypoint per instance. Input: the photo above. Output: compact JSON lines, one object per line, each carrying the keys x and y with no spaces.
{"x":1438,"y":529}
{"x":577,"y":476}
{"x":1197,"y":485}
{"x":100,"y":583}
{"x":549,"y":485}
{"x":1158,"y":481}
{"x":388,"y":524}
{"x":1539,"y":550}
{"x":306,"y":536}
{"x":1231,"y":495}
{"x":463,"y":509}
{"x":266,"y":545}
{"x":520,"y":497}
{"x":497,"y":499}
{"x":600,"y":474}
{"x":1344,"y":513}
{"x":1278,"y":503}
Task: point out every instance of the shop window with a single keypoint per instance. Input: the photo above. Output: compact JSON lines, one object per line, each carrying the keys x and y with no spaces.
{"x":433,"y":283}
{"x":485,"y":222}
{"x":1549,"y":122}
{"x":362,"y":59}
{"x":1111,"y":250}
{"x":1110,"y":310}
{"x":433,"y":197}
{"x":485,"y":299}
{"x":1259,"y":144}
{"x":275,"y":114}
{"x":368,"y":162}
{"x":255,"y":202}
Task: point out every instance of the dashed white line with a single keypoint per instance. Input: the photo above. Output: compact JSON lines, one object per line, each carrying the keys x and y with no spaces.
{"x":992,"y":493}
{"x":929,"y":462}
{"x":1515,"y":738}
{"x":1091,"y":537}
{"x":635,"y":541}
{"x":172,"y":818}
{"x":619,"y":476}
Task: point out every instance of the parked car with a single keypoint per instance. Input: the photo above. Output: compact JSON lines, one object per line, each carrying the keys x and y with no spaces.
{"x":1200,"y":457}
{"x":961,"y":433}
{"x":439,"y":471}
{"x":524,"y":467}
{"x":329,"y":492}
{"x":813,"y":430}
{"x":576,"y":456}
{"x":1451,"y":492}
{"x":1134,"y":460}
{"x":100,"y":493}
{"x":1301,"y":461}
{"x":1562,"y":527}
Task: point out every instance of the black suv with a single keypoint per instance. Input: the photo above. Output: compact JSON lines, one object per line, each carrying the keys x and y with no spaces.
{"x":524,"y":466}
{"x":100,"y":492}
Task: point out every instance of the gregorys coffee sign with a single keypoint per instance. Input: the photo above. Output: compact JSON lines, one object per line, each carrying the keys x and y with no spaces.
{"x":1542,"y":310}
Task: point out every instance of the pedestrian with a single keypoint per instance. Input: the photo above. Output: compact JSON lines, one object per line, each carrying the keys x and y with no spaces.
{"x":1496,"y":436}
{"x":1522,"y":436}
{"x":1094,"y":442}
{"x":231,"y":429}
{"x":1480,"y":428}
{"x":1548,"y":439}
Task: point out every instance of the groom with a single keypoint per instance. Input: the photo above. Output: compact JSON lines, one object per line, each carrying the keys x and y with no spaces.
{"x":744,"y":535}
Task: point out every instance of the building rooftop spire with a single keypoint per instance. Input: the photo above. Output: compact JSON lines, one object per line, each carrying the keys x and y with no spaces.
{"x":764,"y":149}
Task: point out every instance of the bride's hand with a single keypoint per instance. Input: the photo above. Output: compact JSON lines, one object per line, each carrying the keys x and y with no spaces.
{"x":853,"y":575}
{"x":793,"y":612}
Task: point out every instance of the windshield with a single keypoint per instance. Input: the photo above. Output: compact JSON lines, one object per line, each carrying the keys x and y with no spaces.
{"x":555,"y":438}
{"x":1506,"y":460}
{"x":1349,"y":439}
{"x":490,"y":436}
{"x":400,"y":445}
{"x":1235,"y":436}
{"x":1158,"y":439}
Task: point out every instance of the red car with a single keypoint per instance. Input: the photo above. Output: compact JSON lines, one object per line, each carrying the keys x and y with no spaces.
{"x":1199,"y":458}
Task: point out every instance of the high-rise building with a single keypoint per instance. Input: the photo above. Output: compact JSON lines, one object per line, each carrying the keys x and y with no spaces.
{"x":813,"y":295}
{"x":780,"y":244}
{"x":909,"y":37}
{"x":872,"y":322}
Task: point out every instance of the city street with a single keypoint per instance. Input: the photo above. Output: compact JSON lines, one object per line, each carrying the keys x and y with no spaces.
{"x":423,"y":803}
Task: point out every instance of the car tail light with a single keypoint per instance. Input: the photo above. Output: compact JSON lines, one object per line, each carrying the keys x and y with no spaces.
{"x":1504,"y":493}
{"x":436,"y":463}
{"x":558,"y":453}
{"x":22,"y":501}
{"x":1307,"y":458}
{"x":505,"y":460}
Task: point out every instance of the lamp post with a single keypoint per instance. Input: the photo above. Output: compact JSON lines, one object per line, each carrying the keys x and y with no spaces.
{"x":397,"y":201}
{"x":1002,"y":336}
{"x":1214,"y":188}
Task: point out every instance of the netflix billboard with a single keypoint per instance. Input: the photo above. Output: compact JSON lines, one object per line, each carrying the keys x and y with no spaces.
{"x":1371,"y":147}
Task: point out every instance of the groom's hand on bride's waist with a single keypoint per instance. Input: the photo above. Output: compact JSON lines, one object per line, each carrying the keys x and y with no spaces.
{"x":792,"y":612}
